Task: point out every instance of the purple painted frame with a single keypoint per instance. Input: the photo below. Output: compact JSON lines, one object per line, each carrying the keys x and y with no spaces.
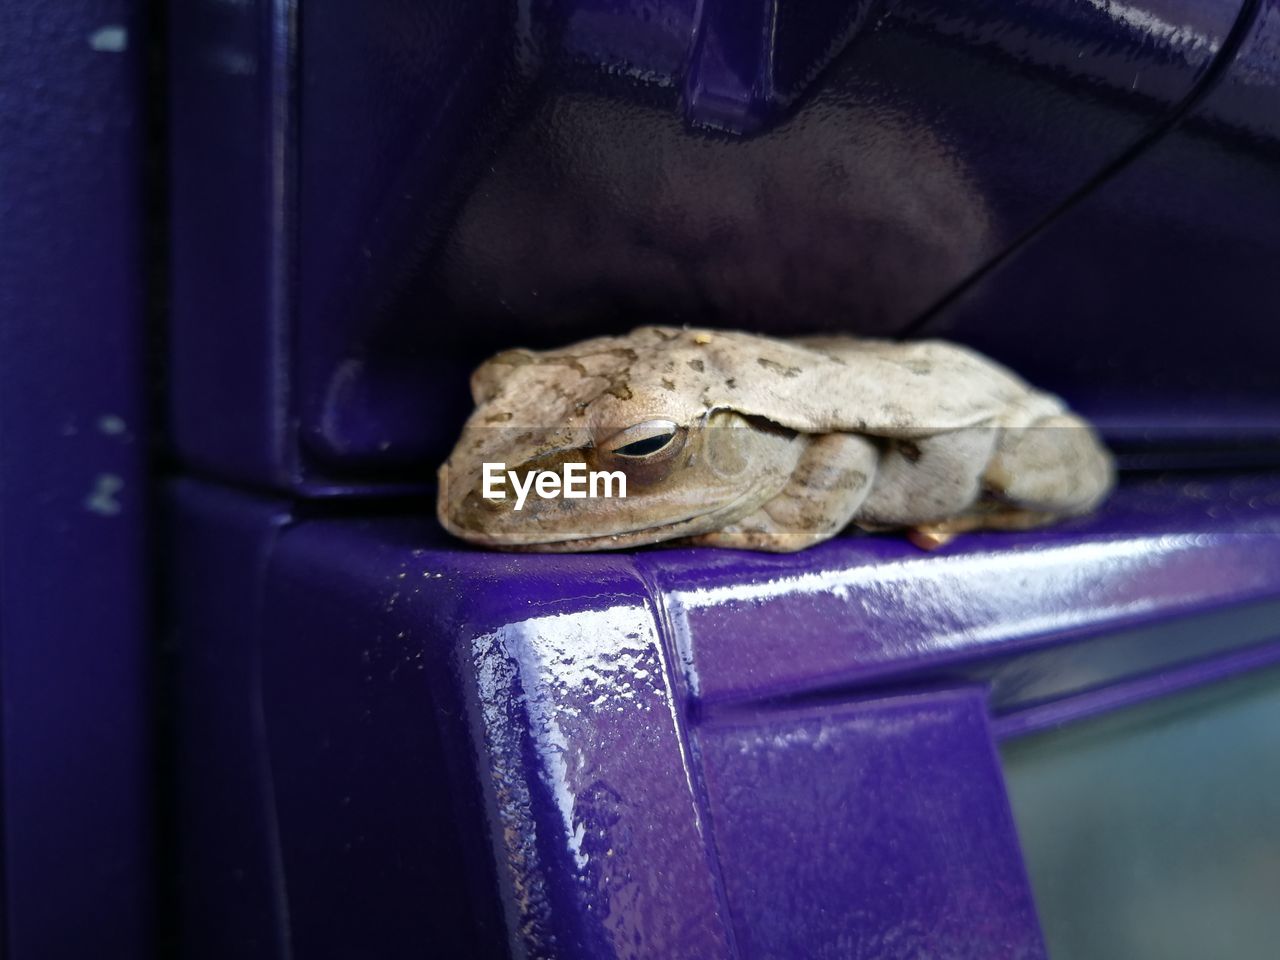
{"x":684,"y":752}
{"x":76,"y":777}
{"x":628,"y":754}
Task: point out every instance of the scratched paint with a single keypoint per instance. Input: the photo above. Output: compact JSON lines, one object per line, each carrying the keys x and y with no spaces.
{"x":102,"y":499}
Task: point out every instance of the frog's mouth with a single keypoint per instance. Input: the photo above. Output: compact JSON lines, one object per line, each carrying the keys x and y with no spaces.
{"x":496,"y":524}
{"x":542,"y":542}
{"x":697,"y":489}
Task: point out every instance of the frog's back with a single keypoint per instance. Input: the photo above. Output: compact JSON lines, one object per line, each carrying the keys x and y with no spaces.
{"x":876,"y":387}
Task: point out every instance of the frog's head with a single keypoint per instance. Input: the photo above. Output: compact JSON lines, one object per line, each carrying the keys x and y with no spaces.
{"x":652,"y":411}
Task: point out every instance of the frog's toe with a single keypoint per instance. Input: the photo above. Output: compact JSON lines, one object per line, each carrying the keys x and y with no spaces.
{"x":931,"y":536}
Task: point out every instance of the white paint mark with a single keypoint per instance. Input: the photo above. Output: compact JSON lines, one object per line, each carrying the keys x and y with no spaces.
{"x":112,"y":425}
{"x":112,"y":38}
{"x":102,"y":500}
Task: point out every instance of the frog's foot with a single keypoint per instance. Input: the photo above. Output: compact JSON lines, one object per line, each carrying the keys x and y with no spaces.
{"x":933,"y":536}
{"x":829,"y":484}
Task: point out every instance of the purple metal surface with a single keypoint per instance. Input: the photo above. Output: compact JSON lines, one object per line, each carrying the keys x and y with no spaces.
{"x":855,"y":612}
{"x":396,"y":745}
{"x":870,"y":829}
{"x":546,"y":687}
{"x":75,"y":784}
{"x":938,"y":138}
{"x":411,"y":186}
{"x":749,"y":61}
{"x":1182,"y":245}
{"x":231,"y":896}
{"x":625,"y":755}
{"x":604,"y":842}
{"x":231,"y":181}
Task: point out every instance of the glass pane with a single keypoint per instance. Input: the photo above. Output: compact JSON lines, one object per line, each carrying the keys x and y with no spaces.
{"x":1154,"y":832}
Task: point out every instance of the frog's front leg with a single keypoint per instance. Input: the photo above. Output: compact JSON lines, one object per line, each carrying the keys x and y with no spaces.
{"x":1056,"y":466}
{"x":924,"y":480}
{"x":830,"y":483}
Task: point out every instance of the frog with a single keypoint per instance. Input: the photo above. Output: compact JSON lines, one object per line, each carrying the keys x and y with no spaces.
{"x":733,"y":439}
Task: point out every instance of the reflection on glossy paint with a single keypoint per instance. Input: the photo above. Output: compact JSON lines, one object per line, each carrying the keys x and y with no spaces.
{"x":870,"y":194}
{"x":1181,"y":37}
{"x":567,"y":666}
{"x":578,"y":720}
{"x":838,"y":582}
{"x":928,"y":605}
{"x":527,"y":904}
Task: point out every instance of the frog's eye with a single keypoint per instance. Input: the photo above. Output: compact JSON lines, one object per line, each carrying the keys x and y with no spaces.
{"x":646,"y":442}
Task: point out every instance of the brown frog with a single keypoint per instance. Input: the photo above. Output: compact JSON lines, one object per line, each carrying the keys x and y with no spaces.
{"x":731,"y":439}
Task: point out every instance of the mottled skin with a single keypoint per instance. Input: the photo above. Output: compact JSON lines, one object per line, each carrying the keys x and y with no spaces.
{"x":770,"y":444}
